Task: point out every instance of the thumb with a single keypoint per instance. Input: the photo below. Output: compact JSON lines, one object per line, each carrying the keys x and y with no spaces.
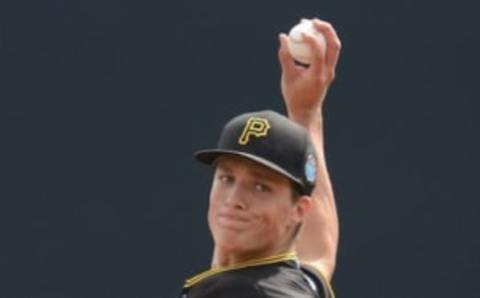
{"x":286,"y":60}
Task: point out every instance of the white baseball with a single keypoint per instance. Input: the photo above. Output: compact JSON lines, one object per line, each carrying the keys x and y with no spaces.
{"x":298,"y":48}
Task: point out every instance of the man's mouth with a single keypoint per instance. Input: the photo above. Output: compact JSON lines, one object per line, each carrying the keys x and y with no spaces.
{"x":231,"y":219}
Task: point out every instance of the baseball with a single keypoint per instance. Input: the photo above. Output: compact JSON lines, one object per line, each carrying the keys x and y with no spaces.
{"x":298,"y":48}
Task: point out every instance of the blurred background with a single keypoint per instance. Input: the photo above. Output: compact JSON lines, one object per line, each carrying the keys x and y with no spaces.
{"x":103,"y":102}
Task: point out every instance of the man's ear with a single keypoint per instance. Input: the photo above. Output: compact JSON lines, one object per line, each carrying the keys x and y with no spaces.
{"x":301,"y":208}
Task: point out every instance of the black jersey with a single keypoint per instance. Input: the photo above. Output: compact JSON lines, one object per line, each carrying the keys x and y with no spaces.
{"x":279,"y":276}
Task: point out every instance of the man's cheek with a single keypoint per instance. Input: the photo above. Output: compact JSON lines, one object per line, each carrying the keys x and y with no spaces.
{"x":265,"y":225}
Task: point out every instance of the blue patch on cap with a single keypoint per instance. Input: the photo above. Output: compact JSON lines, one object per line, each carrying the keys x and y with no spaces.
{"x":311,"y":169}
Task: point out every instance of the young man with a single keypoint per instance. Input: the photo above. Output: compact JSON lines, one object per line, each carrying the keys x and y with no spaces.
{"x":272,"y":212}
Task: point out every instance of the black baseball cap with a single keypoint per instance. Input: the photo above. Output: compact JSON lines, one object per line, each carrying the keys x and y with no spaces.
{"x":272,"y":140}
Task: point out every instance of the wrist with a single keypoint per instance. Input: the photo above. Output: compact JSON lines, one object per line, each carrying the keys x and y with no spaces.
{"x":308,"y":117}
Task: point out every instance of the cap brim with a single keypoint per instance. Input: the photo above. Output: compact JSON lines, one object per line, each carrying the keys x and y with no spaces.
{"x":209,"y":156}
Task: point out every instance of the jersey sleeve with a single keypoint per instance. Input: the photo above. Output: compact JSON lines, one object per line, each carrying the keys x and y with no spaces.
{"x":319,"y":282}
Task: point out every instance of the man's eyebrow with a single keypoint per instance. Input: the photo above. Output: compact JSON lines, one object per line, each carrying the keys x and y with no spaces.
{"x":223,"y":167}
{"x":262,"y":175}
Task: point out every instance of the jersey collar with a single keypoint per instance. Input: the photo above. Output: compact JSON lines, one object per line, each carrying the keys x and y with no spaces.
{"x":290,"y":256}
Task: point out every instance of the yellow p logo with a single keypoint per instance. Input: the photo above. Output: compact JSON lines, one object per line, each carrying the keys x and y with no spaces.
{"x":257,"y":127}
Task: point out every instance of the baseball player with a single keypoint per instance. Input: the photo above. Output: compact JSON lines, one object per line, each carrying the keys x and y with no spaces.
{"x":272,"y":212}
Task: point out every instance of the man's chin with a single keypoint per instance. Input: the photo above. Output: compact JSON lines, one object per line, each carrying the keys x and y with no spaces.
{"x":231,"y":240}
{"x":242,"y":250}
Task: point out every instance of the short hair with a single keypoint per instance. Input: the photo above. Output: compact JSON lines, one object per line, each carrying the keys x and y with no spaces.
{"x":296,"y":191}
{"x":296,"y":194}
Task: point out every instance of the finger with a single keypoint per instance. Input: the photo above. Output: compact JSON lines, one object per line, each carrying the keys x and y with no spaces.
{"x":286,"y":60}
{"x":317,"y":60}
{"x":333,"y":43}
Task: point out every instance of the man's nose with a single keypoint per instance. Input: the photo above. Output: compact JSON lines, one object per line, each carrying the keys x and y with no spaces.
{"x":236,"y":198}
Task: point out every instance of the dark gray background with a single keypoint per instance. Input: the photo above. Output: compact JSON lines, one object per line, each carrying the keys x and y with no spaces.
{"x":102,"y":103}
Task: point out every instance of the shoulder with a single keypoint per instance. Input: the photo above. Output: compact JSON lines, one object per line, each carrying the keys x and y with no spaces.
{"x":318,"y":281}
{"x":280,"y":280}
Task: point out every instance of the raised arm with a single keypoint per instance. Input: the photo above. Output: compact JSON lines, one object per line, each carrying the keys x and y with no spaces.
{"x":304,"y":92}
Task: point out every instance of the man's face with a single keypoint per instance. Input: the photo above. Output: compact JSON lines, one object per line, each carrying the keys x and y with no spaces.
{"x":251,"y":208}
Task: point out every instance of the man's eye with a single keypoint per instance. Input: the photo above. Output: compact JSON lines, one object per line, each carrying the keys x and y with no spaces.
{"x":261,"y":187}
{"x":225,"y":178}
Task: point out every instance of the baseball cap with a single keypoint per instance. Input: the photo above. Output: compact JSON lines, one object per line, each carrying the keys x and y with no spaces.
{"x":272,"y":140}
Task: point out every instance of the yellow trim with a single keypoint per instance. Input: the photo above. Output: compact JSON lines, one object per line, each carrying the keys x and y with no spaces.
{"x":331,"y":294}
{"x":252,"y":263}
{"x":329,"y":286}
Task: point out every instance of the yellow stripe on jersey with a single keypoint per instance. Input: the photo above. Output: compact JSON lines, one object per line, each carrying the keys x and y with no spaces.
{"x":252,"y":263}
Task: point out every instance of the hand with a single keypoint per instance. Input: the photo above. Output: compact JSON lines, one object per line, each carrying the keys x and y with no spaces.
{"x":304,"y":88}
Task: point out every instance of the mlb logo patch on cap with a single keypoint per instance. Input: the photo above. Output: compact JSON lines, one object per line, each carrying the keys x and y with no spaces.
{"x":311,"y":169}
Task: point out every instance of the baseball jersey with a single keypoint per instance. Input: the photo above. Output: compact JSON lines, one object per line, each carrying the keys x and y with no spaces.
{"x":280,"y":276}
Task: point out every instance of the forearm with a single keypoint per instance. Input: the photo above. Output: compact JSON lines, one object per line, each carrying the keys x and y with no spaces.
{"x":304,"y":91}
{"x":318,"y":241}
{"x":313,"y":122}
